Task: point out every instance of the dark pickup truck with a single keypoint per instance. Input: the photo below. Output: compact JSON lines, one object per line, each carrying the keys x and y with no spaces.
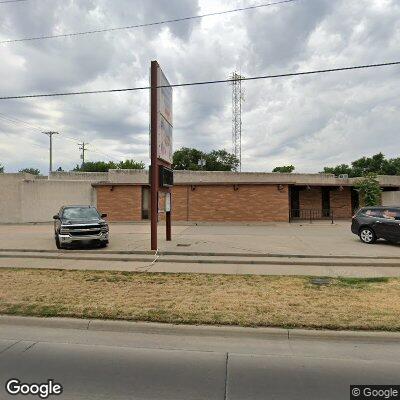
{"x":80,"y":224}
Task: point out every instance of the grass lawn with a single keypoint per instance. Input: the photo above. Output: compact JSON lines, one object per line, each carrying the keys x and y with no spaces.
{"x":345,"y":303}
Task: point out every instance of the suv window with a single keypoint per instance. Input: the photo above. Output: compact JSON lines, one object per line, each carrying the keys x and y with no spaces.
{"x":370,"y":212}
{"x":391,"y":214}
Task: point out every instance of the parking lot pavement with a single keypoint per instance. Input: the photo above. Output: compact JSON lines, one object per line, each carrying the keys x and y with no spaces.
{"x":280,"y":238}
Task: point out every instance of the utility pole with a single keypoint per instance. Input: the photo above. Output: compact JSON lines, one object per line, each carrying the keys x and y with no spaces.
{"x":50,"y":135}
{"x":83,"y":148}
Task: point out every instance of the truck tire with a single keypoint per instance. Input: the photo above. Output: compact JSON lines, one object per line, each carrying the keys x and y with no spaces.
{"x":57,"y":239}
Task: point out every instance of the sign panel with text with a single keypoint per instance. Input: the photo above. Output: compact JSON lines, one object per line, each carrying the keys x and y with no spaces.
{"x":165,"y":119}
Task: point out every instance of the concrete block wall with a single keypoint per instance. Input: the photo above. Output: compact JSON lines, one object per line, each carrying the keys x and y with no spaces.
{"x":41,"y":199}
{"x":10,"y":197}
{"x":391,"y":198}
{"x":26,"y":198}
{"x":79,"y":176}
{"x":128,"y":176}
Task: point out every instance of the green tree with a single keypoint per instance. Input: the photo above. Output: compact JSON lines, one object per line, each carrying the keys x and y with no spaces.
{"x":341,"y":169}
{"x":221,"y":160}
{"x":377,"y":164}
{"x":131,"y":164}
{"x":391,"y":167}
{"x":187,"y":159}
{"x":369,"y":190}
{"x":285,"y":169}
{"x":369,"y":165}
{"x":32,"y":171}
{"x":102,"y":166}
{"x":194,"y":160}
{"x":95,"y":166}
{"x":1,"y":169}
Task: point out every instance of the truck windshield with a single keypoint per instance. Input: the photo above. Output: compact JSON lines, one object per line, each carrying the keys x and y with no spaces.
{"x":80,"y":213}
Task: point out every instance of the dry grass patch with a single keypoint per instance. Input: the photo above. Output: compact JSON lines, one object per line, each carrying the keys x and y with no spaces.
{"x":203,"y":299}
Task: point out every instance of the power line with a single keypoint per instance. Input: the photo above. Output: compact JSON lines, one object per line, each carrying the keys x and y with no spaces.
{"x":16,"y":121}
{"x":286,"y":75}
{"x":19,"y":121}
{"x":11,"y":1}
{"x":103,"y":154}
{"x":169,"y":21}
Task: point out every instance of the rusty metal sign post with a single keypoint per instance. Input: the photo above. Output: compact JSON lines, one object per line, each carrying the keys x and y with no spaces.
{"x":161,"y":123}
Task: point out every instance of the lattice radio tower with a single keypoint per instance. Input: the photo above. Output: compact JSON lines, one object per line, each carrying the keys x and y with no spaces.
{"x":237,"y":100}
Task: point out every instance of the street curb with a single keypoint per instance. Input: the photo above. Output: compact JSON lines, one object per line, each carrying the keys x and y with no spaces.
{"x":344,"y":335}
{"x":63,"y":323}
{"x":289,"y":262}
{"x":196,"y":254}
{"x":197,"y":330}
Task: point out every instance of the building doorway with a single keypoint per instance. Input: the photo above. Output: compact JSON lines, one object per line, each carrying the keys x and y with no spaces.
{"x":326,"y":202}
{"x":294,"y":202}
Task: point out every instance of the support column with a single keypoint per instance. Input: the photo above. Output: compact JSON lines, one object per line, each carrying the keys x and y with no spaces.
{"x":154,"y":160}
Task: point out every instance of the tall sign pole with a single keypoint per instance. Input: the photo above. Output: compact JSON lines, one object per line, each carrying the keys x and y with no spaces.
{"x":161,"y":175}
{"x":153,"y":153}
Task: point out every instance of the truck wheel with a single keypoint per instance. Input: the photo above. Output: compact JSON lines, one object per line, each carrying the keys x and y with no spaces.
{"x":58,"y":244}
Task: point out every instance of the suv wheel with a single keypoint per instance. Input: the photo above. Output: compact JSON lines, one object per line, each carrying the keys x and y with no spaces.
{"x":367,"y":235}
{"x":58,"y":244}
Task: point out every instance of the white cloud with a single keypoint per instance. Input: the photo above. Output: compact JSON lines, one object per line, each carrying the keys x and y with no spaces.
{"x":306,"y":121}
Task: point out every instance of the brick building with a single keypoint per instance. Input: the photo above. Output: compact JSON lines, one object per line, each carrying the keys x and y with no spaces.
{"x":197,"y":196}
{"x":234,"y":197}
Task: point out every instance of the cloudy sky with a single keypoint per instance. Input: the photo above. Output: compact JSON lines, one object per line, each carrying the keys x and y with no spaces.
{"x":309,"y":122}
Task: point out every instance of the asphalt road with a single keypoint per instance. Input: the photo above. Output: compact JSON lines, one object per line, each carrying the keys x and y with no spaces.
{"x":196,"y":363}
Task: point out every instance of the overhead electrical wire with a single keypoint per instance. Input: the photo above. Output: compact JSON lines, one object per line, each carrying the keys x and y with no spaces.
{"x":211,"y":82}
{"x":169,"y":21}
{"x":16,"y":121}
{"x":11,"y":1}
{"x":103,"y":154}
{"x":19,"y":121}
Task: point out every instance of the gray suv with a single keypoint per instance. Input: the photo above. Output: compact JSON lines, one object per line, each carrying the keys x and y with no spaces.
{"x":80,"y":224}
{"x":372,"y":223}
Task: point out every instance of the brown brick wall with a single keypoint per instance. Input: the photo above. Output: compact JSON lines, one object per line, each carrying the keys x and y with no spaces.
{"x":258,"y":203}
{"x":311,"y":199}
{"x":180,"y":203}
{"x":341,"y":203}
{"x":123,"y":203}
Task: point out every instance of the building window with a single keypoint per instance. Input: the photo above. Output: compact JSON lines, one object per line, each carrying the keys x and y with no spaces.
{"x":145,"y":202}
